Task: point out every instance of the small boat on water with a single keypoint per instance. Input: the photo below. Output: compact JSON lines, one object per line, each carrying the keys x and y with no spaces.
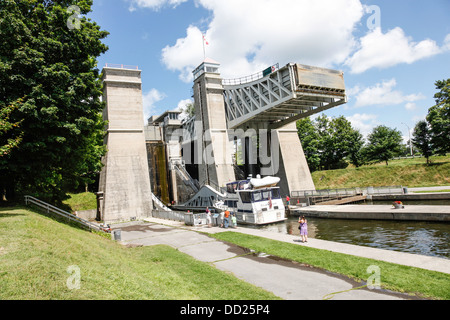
{"x":254,"y":201}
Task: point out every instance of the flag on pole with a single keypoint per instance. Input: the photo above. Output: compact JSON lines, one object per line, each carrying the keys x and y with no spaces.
{"x":204,"y":42}
{"x":204,"y":39}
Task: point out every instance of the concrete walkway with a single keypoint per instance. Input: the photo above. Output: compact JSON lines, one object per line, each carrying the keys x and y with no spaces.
{"x":376,"y":212}
{"x":288,"y":280}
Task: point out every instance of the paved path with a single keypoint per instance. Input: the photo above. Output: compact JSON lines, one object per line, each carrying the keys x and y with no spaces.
{"x":288,"y":280}
{"x":376,"y":212}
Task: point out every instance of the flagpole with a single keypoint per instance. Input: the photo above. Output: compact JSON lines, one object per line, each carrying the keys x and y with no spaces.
{"x":204,"y":49}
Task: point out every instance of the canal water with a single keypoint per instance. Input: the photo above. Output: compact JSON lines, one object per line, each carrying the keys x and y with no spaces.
{"x":425,"y":238}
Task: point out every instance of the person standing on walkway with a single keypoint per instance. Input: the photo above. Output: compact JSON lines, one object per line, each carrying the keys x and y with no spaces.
{"x":234,"y":220}
{"x":227,"y":219}
{"x":208,"y":217}
{"x":222,"y":219}
{"x":303,"y":229}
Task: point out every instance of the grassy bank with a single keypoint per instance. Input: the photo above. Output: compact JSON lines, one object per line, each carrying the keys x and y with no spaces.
{"x":81,"y":201}
{"x":406,"y":172}
{"x":393,"y":277}
{"x":36,"y":252}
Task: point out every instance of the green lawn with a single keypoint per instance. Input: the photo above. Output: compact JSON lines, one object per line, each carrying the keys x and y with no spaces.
{"x":81,"y":201}
{"x":405,"y":172}
{"x":393,"y":276}
{"x":36,"y":252}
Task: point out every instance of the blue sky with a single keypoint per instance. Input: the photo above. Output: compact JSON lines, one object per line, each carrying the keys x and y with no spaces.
{"x":391,"y":52}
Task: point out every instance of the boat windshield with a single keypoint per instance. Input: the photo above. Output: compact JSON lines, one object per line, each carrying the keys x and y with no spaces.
{"x":238,"y":185}
{"x":260,"y":195}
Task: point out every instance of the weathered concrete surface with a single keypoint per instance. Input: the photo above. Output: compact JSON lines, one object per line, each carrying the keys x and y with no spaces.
{"x":216,"y":165}
{"x":377,"y":212}
{"x":124,"y":180}
{"x":293,"y":168}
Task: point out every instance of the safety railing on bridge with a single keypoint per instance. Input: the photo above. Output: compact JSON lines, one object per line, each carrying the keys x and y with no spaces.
{"x":70,"y":217}
{"x":251,"y":78}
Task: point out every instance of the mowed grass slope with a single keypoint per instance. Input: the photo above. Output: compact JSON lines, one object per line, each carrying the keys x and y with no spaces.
{"x":36,"y":252}
{"x":406,"y":172}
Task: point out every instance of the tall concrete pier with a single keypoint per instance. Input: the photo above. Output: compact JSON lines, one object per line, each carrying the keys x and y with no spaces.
{"x":293,"y":167}
{"x":216,"y":166}
{"x":124,"y":180}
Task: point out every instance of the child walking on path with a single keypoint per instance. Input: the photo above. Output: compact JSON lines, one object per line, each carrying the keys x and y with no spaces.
{"x":303,"y":229}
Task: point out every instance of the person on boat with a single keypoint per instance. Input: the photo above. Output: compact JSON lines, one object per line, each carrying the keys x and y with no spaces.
{"x":303,"y":229}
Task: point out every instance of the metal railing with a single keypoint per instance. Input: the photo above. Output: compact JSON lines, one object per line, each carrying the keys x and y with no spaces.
{"x":251,"y":78}
{"x":70,"y":217}
{"x":159,"y":203}
{"x":190,"y":219}
{"x":349,"y":191}
{"x":121,"y":66}
{"x":169,"y":215}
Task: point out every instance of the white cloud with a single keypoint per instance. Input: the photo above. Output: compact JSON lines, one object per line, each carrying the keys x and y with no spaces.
{"x":149,"y":100}
{"x":247,"y":36}
{"x":410,"y":106}
{"x":383,"y":94}
{"x":446,"y":45}
{"x":154,"y":4}
{"x":383,"y":50}
{"x":364,"y":122}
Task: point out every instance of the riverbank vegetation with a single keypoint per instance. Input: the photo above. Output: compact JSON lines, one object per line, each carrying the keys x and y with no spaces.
{"x":40,"y":258}
{"x":403,"y":172}
{"x":332,"y":143}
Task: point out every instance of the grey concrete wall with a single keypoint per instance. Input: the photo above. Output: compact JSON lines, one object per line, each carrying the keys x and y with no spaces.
{"x":124,"y":179}
{"x":217,"y":164}
{"x":294,"y":170}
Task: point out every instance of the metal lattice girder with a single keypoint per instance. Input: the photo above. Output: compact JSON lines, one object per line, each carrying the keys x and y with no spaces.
{"x":286,"y":95}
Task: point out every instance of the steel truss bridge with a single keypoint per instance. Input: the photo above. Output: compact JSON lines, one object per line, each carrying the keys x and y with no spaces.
{"x":283,"y":96}
{"x":279,"y":96}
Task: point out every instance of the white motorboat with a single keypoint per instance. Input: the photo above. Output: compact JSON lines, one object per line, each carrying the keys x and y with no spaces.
{"x":255,"y":201}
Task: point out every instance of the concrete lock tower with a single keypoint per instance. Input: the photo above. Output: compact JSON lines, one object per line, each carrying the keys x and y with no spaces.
{"x":266,"y":149}
{"x":124,"y":187}
{"x":215,"y":166}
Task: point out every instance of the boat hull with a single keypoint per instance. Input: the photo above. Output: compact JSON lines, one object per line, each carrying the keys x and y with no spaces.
{"x":261,"y":218}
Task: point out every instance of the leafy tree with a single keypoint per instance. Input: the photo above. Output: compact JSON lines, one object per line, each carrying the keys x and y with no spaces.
{"x":383,"y":144}
{"x":328,"y":142}
{"x":10,"y":133}
{"x":439,"y":118}
{"x":49,"y":97}
{"x":310,"y":142}
{"x":422,"y":139}
{"x":346,"y":142}
{"x":188,"y":111}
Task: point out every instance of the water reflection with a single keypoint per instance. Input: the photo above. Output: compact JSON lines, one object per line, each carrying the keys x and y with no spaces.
{"x":426,"y":238}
